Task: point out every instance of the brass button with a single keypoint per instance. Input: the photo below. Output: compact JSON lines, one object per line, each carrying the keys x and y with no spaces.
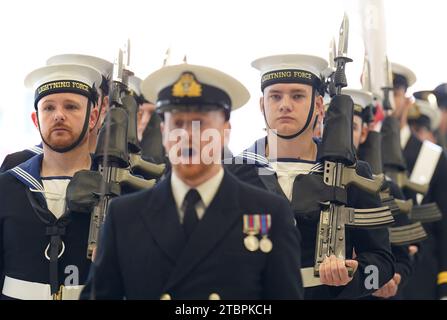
{"x":214,"y":296}
{"x":165,"y":296}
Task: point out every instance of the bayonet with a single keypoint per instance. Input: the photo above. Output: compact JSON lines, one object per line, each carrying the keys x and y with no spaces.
{"x":126,"y":55}
{"x":343,"y":37}
{"x":366,"y":74}
{"x":387,"y":100}
{"x":331,"y":70}
{"x":342,"y":56}
{"x":118,"y":67}
{"x":332,"y":54}
{"x":167,"y":59}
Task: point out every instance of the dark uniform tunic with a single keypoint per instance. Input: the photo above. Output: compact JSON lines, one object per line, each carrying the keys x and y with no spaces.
{"x":16,"y":158}
{"x":431,"y":260}
{"x":143,"y":252}
{"x":25,"y":223}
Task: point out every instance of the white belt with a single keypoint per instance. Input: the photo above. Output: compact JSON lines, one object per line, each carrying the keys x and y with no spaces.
{"x":309,"y":280}
{"x":26,"y":290}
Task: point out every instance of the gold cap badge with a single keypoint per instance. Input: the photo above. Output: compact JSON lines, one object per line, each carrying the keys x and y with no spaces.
{"x":187,"y":86}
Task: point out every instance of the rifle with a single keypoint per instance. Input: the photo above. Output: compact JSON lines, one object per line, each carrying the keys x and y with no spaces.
{"x":114,"y":143}
{"x":339,"y":159}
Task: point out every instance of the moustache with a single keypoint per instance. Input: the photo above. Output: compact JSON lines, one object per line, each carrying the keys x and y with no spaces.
{"x":188,"y":152}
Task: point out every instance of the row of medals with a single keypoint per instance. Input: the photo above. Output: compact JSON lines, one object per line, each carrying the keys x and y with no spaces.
{"x":252,"y":243}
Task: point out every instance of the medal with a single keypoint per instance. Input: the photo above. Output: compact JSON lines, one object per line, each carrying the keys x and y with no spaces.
{"x":251,"y":228}
{"x":266,"y":244}
{"x":251,"y":243}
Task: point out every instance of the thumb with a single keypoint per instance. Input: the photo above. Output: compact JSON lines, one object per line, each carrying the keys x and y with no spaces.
{"x":397,"y":278}
{"x":352,"y":263}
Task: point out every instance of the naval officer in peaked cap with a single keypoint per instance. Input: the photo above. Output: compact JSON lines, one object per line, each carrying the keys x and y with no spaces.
{"x":200,"y":233}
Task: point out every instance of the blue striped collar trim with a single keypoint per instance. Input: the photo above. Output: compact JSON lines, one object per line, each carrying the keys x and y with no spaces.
{"x":36,"y":149}
{"x":255,"y":154}
{"x":28,"y":172}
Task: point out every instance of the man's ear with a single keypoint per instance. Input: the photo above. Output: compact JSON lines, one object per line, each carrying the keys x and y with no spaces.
{"x":94,"y":114}
{"x":319,"y":107}
{"x":227,"y":131}
{"x":105,"y":104}
{"x":163,"y":135}
{"x":35,"y":119}
{"x":261,"y":104}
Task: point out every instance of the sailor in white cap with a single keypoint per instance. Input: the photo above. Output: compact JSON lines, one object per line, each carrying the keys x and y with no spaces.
{"x":209,"y":235}
{"x":424,"y":117}
{"x":362,"y":101}
{"x":148,"y":125}
{"x":427,"y":164}
{"x":292,"y":87}
{"x":441,"y":97}
{"x":403,"y":78}
{"x":43,"y":248}
{"x":105,"y":68}
{"x":146,"y":108}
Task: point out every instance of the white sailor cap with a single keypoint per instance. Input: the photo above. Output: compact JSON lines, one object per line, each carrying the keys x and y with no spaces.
{"x":134,"y":85}
{"x":103,"y":66}
{"x":426,"y":113}
{"x":363,"y":103}
{"x":291,"y":68}
{"x":361,"y":98}
{"x":402,"y":76}
{"x":135,"y":89}
{"x":187,"y":85}
{"x":80,"y":79}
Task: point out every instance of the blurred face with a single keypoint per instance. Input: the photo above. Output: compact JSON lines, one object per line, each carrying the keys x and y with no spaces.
{"x":359,"y":131}
{"x":61,"y":119}
{"x":402,"y":103}
{"x":143,"y":117}
{"x":194,"y":141}
{"x":443,"y":123}
{"x":423,"y":134}
{"x":286,"y":107}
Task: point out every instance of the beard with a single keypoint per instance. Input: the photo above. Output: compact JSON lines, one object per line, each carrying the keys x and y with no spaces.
{"x":191,"y":171}
{"x":59,"y":137}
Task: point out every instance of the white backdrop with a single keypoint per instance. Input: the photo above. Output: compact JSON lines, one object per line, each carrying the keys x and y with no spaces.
{"x":226,"y":35}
